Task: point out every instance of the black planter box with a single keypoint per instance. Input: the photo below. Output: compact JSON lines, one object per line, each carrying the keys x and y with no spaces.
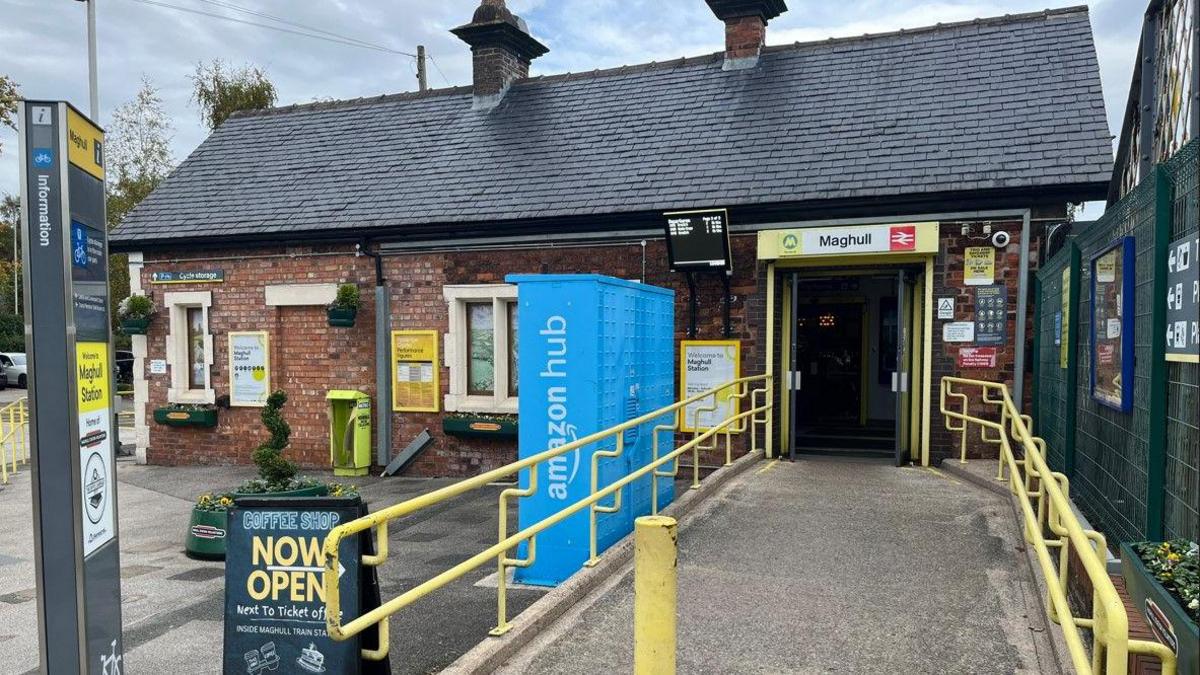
{"x":135,"y":326}
{"x":1168,"y":620}
{"x":341,"y":318}
{"x":480,"y":427}
{"x":178,"y":417}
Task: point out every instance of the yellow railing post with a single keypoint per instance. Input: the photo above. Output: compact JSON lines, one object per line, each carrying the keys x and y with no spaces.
{"x":655,"y":561}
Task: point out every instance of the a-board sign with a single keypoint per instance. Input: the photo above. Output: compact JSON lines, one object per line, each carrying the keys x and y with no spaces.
{"x":1183,"y":300}
{"x":249,"y":368}
{"x":415,"y":371}
{"x":76,"y":545}
{"x":991,"y":314}
{"x":979,"y":265}
{"x":698,"y":240}
{"x":704,"y":365}
{"x":188,"y":277}
{"x":275,"y":588}
{"x":977,"y":357}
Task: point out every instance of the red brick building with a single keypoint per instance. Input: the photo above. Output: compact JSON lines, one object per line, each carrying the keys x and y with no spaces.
{"x":961,"y":131}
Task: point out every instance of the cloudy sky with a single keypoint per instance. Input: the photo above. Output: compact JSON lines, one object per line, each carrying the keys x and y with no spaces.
{"x":43,"y":43}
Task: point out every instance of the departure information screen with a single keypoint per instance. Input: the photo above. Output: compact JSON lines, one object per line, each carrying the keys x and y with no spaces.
{"x":698,"y":240}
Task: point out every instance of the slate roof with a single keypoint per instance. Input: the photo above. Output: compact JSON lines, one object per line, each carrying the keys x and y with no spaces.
{"x":1010,"y":102}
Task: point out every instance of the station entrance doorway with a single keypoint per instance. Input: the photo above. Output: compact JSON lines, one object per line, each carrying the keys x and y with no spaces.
{"x":850,"y":348}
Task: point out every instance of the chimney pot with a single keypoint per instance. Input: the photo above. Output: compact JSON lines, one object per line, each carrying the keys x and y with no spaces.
{"x":501,"y":50}
{"x":745,"y":28}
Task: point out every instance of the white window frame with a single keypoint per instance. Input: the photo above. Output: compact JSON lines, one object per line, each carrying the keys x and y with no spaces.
{"x":177,"y":305}
{"x":456,"y":354}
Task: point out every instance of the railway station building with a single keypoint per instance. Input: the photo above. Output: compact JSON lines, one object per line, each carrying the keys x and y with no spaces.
{"x":886,"y":200}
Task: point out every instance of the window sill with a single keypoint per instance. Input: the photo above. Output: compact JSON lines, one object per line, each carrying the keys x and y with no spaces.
{"x":192,"y":396}
{"x":480,"y":404}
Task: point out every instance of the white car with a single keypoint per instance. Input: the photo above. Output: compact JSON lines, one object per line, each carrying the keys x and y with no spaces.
{"x":14,"y":366}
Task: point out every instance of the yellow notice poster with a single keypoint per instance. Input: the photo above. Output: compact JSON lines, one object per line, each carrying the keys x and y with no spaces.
{"x":95,"y":444}
{"x":704,"y":365}
{"x":1066,"y":318}
{"x":979,"y":265}
{"x":415,"y":371}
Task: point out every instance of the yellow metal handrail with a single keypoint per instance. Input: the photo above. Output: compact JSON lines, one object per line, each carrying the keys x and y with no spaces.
{"x":1043,"y":496}
{"x":378,"y":521}
{"x":14,"y":437}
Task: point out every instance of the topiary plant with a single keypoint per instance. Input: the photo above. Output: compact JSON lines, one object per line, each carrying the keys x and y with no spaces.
{"x":276,"y":471}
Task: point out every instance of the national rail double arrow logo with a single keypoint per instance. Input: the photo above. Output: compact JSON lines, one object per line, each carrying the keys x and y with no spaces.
{"x":902,"y":238}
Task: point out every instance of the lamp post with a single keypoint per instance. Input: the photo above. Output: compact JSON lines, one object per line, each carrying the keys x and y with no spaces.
{"x":93,"y":86}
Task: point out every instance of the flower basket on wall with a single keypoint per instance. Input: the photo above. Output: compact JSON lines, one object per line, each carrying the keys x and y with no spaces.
{"x":135,"y":326}
{"x":186,"y":416}
{"x":480,"y":426}
{"x":343,"y":310}
{"x":1168,"y":618}
{"x":341,"y":318}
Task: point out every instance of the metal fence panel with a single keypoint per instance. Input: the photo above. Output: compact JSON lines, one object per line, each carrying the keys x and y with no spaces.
{"x":1112,"y":448}
{"x":1182,"y":485}
{"x":1051,"y":414}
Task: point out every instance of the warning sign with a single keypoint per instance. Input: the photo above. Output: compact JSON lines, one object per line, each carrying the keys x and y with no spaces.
{"x":945,"y":308}
{"x":977,"y":357}
{"x":979,"y":265}
{"x":95,"y":445}
{"x":415,"y":371}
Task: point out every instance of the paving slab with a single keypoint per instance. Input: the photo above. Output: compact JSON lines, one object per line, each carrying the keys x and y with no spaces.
{"x":829,"y":565}
{"x":173,"y":606}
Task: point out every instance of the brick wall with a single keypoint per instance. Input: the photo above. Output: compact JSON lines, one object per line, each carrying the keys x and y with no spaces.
{"x":309,"y":357}
{"x":948,"y":282}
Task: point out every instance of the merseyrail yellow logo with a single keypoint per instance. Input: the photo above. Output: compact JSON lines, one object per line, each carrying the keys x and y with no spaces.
{"x":91,"y":367}
{"x":85,"y":144}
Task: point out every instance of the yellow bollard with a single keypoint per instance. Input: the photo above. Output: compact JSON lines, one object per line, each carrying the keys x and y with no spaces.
{"x":654,"y":595}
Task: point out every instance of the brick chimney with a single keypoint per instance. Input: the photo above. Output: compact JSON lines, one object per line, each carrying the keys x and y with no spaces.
{"x":501,"y":50}
{"x":745,"y":28}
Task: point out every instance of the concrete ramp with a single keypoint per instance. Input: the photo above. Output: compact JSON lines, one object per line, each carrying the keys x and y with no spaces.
{"x":830,"y":565}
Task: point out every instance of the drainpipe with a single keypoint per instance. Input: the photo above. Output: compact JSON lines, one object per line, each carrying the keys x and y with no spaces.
{"x":1022,"y":307}
{"x":383,"y":371}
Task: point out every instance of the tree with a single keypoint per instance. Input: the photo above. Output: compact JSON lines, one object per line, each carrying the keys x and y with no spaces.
{"x":10,"y":266}
{"x":221,"y":90}
{"x":8,"y":103}
{"x":139,"y":159}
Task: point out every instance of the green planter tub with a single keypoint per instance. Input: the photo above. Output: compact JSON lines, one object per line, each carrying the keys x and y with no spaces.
{"x":341,"y":318}
{"x":206,"y":531}
{"x":135,"y":326}
{"x":314,"y":491}
{"x":181,"y":417}
{"x":1167,"y":618}
{"x":480,"y":427}
{"x":206,"y":535}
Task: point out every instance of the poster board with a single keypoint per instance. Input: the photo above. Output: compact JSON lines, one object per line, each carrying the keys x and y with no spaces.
{"x":979,"y":266}
{"x":703,"y":365}
{"x":991,"y":314}
{"x":415,"y":372}
{"x":249,"y":368}
{"x":1112,"y":325}
{"x":1063,"y":331}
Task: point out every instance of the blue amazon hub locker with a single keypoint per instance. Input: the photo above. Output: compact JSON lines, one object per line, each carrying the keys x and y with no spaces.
{"x":593,"y":351}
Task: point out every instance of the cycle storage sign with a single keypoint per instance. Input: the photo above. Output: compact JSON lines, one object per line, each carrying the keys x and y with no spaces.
{"x":275,"y":587}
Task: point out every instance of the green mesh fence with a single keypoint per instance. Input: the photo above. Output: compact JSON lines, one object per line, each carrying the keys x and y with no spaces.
{"x":1182,"y":481}
{"x":1112,"y":448}
{"x":1051,"y":414}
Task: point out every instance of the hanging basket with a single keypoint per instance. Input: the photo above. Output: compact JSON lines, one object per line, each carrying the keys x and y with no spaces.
{"x":135,"y":326}
{"x":341,"y":318}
